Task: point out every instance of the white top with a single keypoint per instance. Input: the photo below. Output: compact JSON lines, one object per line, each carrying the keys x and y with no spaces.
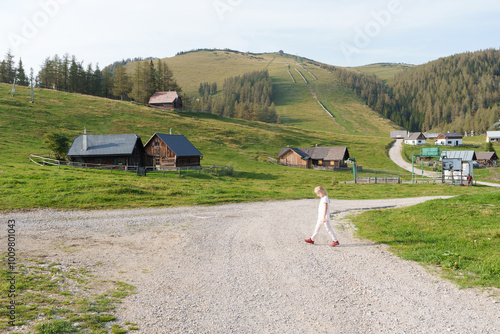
{"x":321,"y":208}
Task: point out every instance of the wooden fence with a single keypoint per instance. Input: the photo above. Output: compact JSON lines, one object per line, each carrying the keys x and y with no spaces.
{"x":181,"y":171}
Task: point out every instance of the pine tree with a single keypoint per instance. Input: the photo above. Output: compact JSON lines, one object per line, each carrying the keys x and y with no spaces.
{"x":21,"y":75}
{"x":107,"y":82}
{"x":121,"y":83}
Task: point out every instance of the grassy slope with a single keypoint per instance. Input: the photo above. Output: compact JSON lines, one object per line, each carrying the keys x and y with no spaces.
{"x":240,"y":144}
{"x":294,"y":101}
{"x":385,"y":71}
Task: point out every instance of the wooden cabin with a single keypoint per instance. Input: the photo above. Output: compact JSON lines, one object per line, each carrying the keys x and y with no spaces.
{"x":165,"y":151}
{"x":124,"y":150}
{"x":328,"y":157}
{"x":166,"y":100}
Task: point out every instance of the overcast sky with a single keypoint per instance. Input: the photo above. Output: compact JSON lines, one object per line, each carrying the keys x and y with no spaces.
{"x":337,"y":32}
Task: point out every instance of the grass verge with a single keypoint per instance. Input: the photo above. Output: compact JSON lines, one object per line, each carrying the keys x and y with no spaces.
{"x":54,"y":298}
{"x":460,"y":236}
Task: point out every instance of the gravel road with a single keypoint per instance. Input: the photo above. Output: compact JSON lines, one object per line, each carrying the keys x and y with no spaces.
{"x":245,"y":268}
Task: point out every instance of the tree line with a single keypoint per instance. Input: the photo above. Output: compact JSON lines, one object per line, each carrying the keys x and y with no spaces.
{"x":457,"y":93}
{"x":246,"y":97}
{"x":68,"y":74}
{"x":9,"y":71}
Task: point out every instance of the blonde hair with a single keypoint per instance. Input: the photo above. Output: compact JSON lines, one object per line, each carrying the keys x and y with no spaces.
{"x":321,"y":190}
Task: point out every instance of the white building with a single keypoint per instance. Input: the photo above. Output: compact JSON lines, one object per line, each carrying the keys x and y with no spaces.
{"x":449,"y":139}
{"x":493,"y":136}
{"x":415,"y":138}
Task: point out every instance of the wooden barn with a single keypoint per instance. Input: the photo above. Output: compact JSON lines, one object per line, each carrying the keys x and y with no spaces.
{"x":328,"y":157}
{"x":124,"y":150}
{"x":487,"y":158}
{"x":166,"y":100}
{"x":170,"y":151}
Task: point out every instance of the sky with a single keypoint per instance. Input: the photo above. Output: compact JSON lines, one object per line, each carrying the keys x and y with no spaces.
{"x":336,"y":32}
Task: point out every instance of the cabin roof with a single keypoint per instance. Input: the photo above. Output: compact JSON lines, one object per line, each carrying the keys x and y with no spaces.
{"x":104,"y":145}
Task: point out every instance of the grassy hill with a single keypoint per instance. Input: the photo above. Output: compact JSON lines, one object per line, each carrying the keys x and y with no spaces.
{"x":385,"y":71}
{"x":243,"y":145}
{"x":295,"y":102}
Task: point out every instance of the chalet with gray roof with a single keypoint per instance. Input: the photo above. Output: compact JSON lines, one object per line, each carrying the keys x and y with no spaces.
{"x":124,"y":150}
{"x":493,"y":136}
{"x":415,"y":138}
{"x":171,"y":151}
{"x":328,"y":157}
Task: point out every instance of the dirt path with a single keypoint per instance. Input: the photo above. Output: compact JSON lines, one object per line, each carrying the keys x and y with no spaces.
{"x":244,"y":268}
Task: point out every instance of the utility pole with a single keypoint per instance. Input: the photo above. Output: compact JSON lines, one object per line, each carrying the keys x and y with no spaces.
{"x":31,"y":85}
{"x":13,"y":87}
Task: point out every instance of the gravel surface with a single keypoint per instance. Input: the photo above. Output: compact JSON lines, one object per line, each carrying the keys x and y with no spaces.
{"x":245,"y":268}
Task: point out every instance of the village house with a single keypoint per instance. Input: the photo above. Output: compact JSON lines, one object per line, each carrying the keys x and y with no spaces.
{"x":415,"y":138}
{"x":121,"y":150}
{"x":166,"y":100}
{"x":328,"y":157}
{"x":487,"y":158}
{"x":449,"y":139}
{"x":170,"y":151}
{"x":493,"y":136}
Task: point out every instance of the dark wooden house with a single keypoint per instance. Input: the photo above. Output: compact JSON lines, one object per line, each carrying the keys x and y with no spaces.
{"x":124,"y":150}
{"x":328,"y":157}
{"x":171,"y":151}
{"x":166,"y":100}
{"x":487,"y":158}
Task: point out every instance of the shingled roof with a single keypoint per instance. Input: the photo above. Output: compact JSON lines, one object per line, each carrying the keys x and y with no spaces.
{"x":163,"y":97}
{"x":330,"y":153}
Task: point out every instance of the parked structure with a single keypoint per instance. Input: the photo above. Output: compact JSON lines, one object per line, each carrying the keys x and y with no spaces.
{"x":121,"y":150}
{"x":166,"y":100}
{"x":449,"y":139}
{"x":328,"y":157}
{"x":493,"y":136}
{"x":415,"y":138}
{"x":171,"y":151}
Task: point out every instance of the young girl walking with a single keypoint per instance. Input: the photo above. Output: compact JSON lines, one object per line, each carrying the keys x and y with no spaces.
{"x":323,"y":217}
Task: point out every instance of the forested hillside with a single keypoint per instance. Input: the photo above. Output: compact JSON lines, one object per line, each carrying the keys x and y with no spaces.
{"x":245,"y":97}
{"x":457,"y":93}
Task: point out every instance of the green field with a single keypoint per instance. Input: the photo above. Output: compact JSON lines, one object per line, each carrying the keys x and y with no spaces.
{"x":385,"y":71}
{"x":243,"y":145}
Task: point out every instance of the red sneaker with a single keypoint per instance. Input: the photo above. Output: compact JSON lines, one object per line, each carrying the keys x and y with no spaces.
{"x":335,"y":243}
{"x":311,"y":241}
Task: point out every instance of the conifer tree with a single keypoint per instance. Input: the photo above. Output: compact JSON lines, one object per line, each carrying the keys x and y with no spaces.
{"x":121,"y":83}
{"x":21,"y":75}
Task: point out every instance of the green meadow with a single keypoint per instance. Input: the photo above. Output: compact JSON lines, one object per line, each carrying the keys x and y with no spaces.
{"x":244,"y":146}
